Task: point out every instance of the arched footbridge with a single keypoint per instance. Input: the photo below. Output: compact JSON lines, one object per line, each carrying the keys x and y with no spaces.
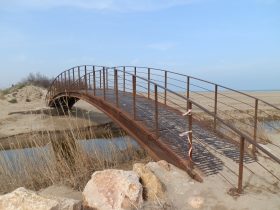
{"x":175,"y":117}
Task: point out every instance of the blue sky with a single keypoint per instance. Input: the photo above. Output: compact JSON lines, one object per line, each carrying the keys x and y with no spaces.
{"x":235,"y":43}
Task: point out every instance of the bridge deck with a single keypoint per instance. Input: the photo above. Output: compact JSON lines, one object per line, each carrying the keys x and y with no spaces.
{"x":171,"y":124}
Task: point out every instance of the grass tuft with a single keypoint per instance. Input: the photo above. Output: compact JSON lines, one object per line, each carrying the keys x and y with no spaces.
{"x":13,"y":101}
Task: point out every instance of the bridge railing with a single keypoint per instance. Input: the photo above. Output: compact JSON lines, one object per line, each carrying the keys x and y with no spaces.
{"x":174,"y":98}
{"x":66,"y":79}
{"x":250,"y":114}
{"x":179,"y":91}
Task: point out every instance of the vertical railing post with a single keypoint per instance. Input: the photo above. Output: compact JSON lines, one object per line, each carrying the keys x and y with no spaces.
{"x":104,"y":84}
{"x":165,"y":86}
{"x":89,"y":83}
{"x":65,"y":81}
{"x":86,"y":79}
{"x":69,"y":79}
{"x":190,"y":134}
{"x":94,"y":81}
{"x":255,"y":125}
{"x":241,"y":157}
{"x":100,"y":78}
{"x":134,"y":96}
{"x":116,"y":86}
{"x":149,"y":77}
{"x":124,"y":79}
{"x":61,"y":82}
{"x":135,"y":70}
{"x":79,"y":76}
{"x":188,"y":90}
{"x":215,"y":106}
{"x":156,"y":112}
{"x":73,"y":75}
{"x":58,"y":83}
{"x":107,"y":78}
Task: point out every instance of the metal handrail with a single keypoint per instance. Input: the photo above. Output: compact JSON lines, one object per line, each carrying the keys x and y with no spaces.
{"x":202,"y":80}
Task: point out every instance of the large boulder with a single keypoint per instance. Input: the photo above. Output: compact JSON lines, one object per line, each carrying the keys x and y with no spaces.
{"x":113,"y":189}
{"x":23,"y":199}
{"x":153,"y":188}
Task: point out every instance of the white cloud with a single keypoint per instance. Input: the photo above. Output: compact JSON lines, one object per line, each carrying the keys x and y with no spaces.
{"x":162,"y":46}
{"x":111,"y":5}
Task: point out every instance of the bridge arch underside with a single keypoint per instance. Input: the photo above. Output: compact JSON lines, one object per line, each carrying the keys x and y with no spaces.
{"x":170,"y":146}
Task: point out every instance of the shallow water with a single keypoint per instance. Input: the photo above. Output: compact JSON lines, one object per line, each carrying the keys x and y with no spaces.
{"x":39,"y":155}
{"x":102,"y":144}
{"x":272,"y":126}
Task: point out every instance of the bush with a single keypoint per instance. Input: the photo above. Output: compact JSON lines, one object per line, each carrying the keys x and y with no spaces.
{"x":37,"y":79}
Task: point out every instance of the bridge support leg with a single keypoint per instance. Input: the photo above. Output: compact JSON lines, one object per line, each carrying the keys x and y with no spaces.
{"x":190,"y":135}
{"x":215,"y":107}
{"x":241,"y":157}
{"x":254,"y":149}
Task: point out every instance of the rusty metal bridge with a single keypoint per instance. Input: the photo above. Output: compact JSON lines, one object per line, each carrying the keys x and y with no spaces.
{"x":175,"y":117}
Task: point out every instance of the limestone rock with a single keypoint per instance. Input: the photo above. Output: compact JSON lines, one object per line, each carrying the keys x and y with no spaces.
{"x":113,"y":189}
{"x":67,"y":198}
{"x":153,"y":188}
{"x":164,"y":164}
{"x":23,"y":199}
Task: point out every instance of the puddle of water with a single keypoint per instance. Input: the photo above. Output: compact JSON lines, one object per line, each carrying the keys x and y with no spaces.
{"x":102,"y":145}
{"x":272,"y":126}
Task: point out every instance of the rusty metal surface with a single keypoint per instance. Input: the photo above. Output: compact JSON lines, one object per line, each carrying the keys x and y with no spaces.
{"x":142,"y":107}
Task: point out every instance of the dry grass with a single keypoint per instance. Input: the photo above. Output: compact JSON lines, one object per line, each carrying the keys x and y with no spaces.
{"x":241,"y":122}
{"x":70,"y":164}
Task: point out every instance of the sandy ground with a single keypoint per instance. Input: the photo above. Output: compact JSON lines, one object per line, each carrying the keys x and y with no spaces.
{"x":183,"y":193}
{"x":25,"y":117}
{"x":227,"y":101}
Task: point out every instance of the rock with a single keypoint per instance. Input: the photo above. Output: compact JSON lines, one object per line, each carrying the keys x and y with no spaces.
{"x":67,"y":198}
{"x":113,"y":189}
{"x":153,"y":188}
{"x":66,"y":203}
{"x":196,"y":202}
{"x":61,"y":191}
{"x":164,"y":164}
{"x":49,"y":199}
{"x":23,"y":199}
